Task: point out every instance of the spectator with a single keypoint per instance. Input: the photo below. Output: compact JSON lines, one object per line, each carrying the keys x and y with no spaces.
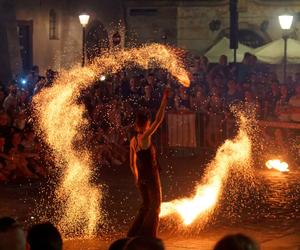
{"x":244,"y":69}
{"x":200,"y":68}
{"x":11,"y":101}
{"x":2,"y":96}
{"x":5,"y":128}
{"x":233,"y":95}
{"x":50,"y":77}
{"x":44,"y":236}
{"x":119,"y":244}
{"x":147,"y":101}
{"x":39,"y":85}
{"x":184,"y":98}
{"x":294,"y":105}
{"x":20,"y":120}
{"x":18,"y":163}
{"x":135,"y":93}
{"x":270,"y":101}
{"x":215,"y":121}
{"x":32,"y":78}
{"x":3,"y":157}
{"x":282,"y":105}
{"x":222,"y":68}
{"x":200,"y":101}
{"x":124,"y":86}
{"x":236,"y":242}
{"x":155,"y":88}
{"x":12,"y":236}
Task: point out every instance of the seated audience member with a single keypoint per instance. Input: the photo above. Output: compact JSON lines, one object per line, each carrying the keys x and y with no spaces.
{"x":31,"y":151}
{"x":18,"y":161}
{"x":144,"y":243}
{"x":252,"y":101}
{"x":244,"y":68}
{"x":119,"y":244}
{"x":294,"y":105}
{"x":184,"y":98}
{"x":233,"y":94}
{"x":236,"y":242}
{"x":200,"y":101}
{"x":2,"y":96}
{"x":147,"y":101}
{"x":11,"y":101}
{"x":12,"y":236}
{"x":282,"y":104}
{"x":5,"y":128}
{"x":44,"y":236}
{"x":4,"y":172}
{"x":215,"y":121}
{"x":134,"y":94}
{"x":39,"y":85}
{"x":20,"y":120}
{"x":270,"y":101}
{"x":222,"y":68}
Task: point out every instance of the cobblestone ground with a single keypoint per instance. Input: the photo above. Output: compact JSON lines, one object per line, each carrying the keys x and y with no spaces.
{"x":270,"y":214}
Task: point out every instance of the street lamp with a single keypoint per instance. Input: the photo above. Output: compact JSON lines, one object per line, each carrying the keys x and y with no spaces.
{"x":285,"y":22}
{"x":84,"y":20}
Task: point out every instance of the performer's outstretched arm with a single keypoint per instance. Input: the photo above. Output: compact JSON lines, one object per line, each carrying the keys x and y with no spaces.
{"x":159,"y":115}
{"x":133,"y":161}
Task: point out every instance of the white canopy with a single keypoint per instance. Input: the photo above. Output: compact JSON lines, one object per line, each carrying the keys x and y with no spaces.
{"x":273,"y":52}
{"x":223,"y":48}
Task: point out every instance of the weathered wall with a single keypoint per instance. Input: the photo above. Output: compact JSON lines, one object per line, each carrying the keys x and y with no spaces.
{"x":191,"y":29}
{"x":10,"y":59}
{"x":160,"y":26}
{"x":67,"y":49}
{"x":193,"y":21}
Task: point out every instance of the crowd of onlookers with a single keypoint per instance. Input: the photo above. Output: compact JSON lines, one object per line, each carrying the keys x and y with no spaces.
{"x":20,"y":151}
{"x":112,"y":102}
{"x":45,"y":236}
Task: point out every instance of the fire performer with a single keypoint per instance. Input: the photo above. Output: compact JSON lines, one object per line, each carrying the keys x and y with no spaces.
{"x":145,"y":169}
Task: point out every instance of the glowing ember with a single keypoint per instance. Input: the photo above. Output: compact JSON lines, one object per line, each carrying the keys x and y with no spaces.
{"x":233,"y":153}
{"x":278,"y":165}
{"x":61,"y":122}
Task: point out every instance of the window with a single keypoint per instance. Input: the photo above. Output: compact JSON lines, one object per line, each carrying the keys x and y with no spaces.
{"x":53,"y":25}
{"x":143,"y":12}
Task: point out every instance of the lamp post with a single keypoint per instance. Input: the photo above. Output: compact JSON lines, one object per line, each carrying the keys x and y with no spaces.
{"x":285,"y":22}
{"x":84,"y":20}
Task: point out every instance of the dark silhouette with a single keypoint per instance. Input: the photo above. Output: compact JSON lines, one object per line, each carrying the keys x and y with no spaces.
{"x":236,"y":242}
{"x":44,"y":236}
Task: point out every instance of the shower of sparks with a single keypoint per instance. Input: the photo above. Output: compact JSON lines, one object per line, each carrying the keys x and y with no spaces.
{"x":235,"y":154}
{"x":61,"y":121}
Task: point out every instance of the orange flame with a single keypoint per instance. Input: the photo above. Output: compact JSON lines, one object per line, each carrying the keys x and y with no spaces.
{"x":61,"y":121}
{"x":232,"y":153}
{"x":278,"y":165}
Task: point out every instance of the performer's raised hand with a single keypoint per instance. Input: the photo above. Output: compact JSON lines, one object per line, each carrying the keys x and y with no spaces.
{"x":166,"y":93}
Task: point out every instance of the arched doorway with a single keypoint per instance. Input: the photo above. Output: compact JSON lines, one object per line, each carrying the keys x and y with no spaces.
{"x":96,"y":40}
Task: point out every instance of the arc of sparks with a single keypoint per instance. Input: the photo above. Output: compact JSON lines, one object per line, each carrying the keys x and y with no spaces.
{"x":60,"y":119}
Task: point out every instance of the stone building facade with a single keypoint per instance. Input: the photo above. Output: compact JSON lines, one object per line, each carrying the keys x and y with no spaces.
{"x":197,"y":24}
{"x":48,"y":33}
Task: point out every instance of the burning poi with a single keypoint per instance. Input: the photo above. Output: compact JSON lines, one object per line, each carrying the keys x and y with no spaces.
{"x":277,"y":165}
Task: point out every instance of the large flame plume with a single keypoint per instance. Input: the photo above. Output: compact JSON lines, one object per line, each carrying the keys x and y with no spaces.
{"x":234,"y":153}
{"x":61,"y":121}
{"x":277,"y":165}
